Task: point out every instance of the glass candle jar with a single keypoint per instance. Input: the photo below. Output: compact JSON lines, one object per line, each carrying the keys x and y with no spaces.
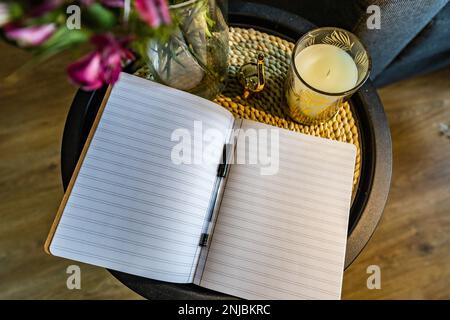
{"x":327,"y":65}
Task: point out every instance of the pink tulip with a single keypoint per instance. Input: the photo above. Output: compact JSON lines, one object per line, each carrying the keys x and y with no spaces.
{"x":29,"y":36}
{"x":103,"y":66}
{"x":153,"y":12}
{"x":163,"y":9}
{"x":87,"y":72}
{"x":112,"y":53}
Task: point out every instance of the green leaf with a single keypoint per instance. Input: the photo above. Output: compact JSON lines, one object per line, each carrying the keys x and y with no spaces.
{"x":99,"y":17}
{"x":56,"y":16}
{"x":62,"y":39}
{"x":15,"y":10}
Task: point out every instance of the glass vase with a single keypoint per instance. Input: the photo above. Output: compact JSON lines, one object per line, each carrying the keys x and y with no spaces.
{"x":195,"y":57}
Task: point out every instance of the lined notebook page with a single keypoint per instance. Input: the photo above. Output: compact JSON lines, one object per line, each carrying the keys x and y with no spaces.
{"x":131,"y":208}
{"x":283,"y":236}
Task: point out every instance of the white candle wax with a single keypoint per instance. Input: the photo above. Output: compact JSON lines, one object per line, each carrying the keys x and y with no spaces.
{"x":327,"y":68}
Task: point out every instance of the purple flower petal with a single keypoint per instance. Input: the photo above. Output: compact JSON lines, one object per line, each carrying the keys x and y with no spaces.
{"x":112,"y":65}
{"x":30,"y":36}
{"x":87,"y":72}
{"x":163,"y":9}
{"x":113,"y":3}
{"x":148,"y":12}
{"x":102,"y":41}
{"x":103,"y":66}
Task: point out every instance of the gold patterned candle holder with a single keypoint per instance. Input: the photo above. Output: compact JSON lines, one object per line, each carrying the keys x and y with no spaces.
{"x":327,"y":66}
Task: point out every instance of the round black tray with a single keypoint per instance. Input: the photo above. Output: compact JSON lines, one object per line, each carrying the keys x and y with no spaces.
{"x":376,"y":150}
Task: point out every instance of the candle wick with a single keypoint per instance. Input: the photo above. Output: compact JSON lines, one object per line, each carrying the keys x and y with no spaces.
{"x":328,"y":73}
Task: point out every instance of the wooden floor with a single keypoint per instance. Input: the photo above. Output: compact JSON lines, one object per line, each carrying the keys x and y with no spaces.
{"x":411,"y":245}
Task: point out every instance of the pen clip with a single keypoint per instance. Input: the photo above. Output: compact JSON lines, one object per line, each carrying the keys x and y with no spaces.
{"x":222,"y":170}
{"x":204,"y":239}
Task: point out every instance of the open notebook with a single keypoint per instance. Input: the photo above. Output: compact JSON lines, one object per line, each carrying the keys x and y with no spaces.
{"x":131,"y":207}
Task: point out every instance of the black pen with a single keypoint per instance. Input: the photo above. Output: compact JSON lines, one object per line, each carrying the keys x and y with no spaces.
{"x":222,"y":171}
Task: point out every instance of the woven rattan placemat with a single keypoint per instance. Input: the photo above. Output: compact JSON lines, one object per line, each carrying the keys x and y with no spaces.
{"x":268,"y":106}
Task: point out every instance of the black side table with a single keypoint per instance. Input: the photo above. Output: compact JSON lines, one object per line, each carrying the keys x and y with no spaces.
{"x":373,"y":187}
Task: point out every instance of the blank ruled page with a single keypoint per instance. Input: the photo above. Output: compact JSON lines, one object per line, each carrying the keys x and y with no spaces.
{"x":283,"y":236}
{"x":131,"y":208}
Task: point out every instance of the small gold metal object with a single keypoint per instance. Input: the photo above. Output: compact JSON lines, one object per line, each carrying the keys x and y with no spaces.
{"x":252,"y":77}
